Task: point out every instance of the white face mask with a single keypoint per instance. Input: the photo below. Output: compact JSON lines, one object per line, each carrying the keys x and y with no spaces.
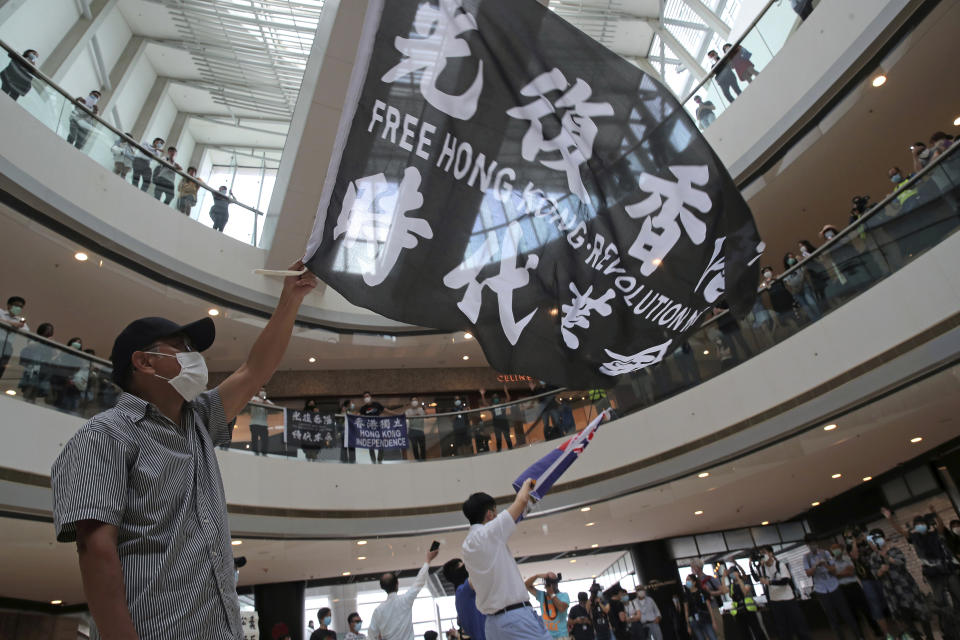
{"x":32,"y":57}
{"x":92,"y":100}
{"x":192,"y":379}
{"x":415,"y":404}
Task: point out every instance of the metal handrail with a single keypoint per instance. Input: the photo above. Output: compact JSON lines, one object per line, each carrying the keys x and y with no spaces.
{"x":33,"y":337}
{"x":729,"y":54}
{"x":879,"y":206}
{"x":149,"y":154}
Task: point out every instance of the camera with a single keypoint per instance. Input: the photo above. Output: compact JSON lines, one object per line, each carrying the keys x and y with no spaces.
{"x":553,"y":581}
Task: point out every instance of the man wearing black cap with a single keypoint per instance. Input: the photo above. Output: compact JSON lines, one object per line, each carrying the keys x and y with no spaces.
{"x":139,"y":489}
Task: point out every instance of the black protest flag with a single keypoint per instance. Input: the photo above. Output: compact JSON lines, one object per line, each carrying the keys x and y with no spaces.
{"x":500,"y":171}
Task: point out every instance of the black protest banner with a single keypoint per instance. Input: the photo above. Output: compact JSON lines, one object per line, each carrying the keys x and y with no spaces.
{"x":309,"y":430}
{"x":377,"y":432}
{"x":498,"y":170}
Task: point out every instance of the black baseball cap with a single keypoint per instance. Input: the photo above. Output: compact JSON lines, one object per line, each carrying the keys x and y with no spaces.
{"x":141,"y":333}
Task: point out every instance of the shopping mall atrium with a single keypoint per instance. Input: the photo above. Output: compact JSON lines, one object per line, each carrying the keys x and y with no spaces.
{"x":157,"y":153}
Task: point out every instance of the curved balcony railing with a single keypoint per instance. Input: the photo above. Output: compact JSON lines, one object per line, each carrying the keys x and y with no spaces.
{"x":747,"y":57}
{"x":128,"y":159}
{"x":915,"y":217}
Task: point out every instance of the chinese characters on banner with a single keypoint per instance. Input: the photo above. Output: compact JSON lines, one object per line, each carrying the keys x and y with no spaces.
{"x":499,"y":171}
{"x":377,"y":432}
{"x":309,"y":430}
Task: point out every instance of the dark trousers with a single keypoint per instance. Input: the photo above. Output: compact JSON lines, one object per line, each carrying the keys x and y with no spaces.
{"x":348,"y":454}
{"x":835,"y":607}
{"x":501,"y":430}
{"x":219,"y":220}
{"x":10,"y":91}
{"x":857,"y":600}
{"x":258,"y":439}
{"x":376,"y":455}
{"x":141,"y":171}
{"x":788,"y":620}
{"x":418,"y":444}
{"x":78,"y":135}
{"x":748,"y":624}
{"x":941,"y":586}
{"x":163,"y":188}
{"x":728,"y":83}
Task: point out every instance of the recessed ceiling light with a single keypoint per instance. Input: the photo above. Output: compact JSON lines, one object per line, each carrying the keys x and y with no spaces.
{"x":213,"y":313}
{"x":816,"y":503}
{"x":80,"y":256}
{"x":867,"y":478}
{"x":837,"y":475}
{"x":10,"y":392}
{"x":657,"y":262}
{"x":594,"y":545}
{"x":361,"y":542}
{"x":236,"y":543}
{"x":956,"y":121}
{"x":879,"y":80}
{"x":361,"y":557}
{"x":468,"y":336}
{"x":698,"y":512}
{"x":554,"y":311}
{"x":764,"y":523}
{"x":916,"y":440}
{"x":56,"y":602}
{"x":573,"y":561}
{"x":590,"y":524}
{"x":311,"y":359}
{"x":585,"y":509}
{"x":345,"y":573}
{"x":705,"y":474}
{"x":706,"y":352}
{"x":829,"y":427}
{"x":466,"y":357}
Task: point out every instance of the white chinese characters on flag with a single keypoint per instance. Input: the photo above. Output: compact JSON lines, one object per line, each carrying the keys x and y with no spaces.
{"x":500,"y":172}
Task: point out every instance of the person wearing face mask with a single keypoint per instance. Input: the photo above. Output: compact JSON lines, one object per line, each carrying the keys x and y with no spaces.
{"x":164,"y":175}
{"x":819,"y":564}
{"x":781,"y":301}
{"x":82,"y":120}
{"x":744,"y":609}
{"x":469,"y":619}
{"x":347,"y":454}
{"x":259,"y":427}
{"x":799,"y":284}
{"x":17,"y":77}
{"x":860,"y":551}
{"x":644,"y":617}
{"x":324,"y":632}
{"x":501,"y":425}
{"x":782,"y":597}
{"x":904,"y":599}
{"x":938,"y":565}
{"x":220,"y":210}
{"x":354,"y":623}
{"x":145,"y":471}
{"x":141,"y":163}
{"x":907,"y":197}
{"x":850,"y":586}
{"x":10,"y":318}
{"x":697,"y":610}
{"x":372,"y":408}
{"x":418,"y":440}
{"x":461,"y":428}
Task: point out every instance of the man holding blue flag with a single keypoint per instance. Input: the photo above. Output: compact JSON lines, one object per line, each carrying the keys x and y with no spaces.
{"x":501,"y":593}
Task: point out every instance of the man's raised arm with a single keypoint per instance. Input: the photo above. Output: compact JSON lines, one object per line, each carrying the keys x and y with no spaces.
{"x":268,"y":350}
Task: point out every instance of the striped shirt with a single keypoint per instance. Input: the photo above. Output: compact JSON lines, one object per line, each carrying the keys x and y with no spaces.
{"x":159,"y":483}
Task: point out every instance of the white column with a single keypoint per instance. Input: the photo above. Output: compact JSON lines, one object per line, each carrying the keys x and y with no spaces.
{"x":58,"y":63}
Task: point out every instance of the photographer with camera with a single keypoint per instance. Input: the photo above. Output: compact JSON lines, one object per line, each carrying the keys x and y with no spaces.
{"x":860,"y":551}
{"x":553,"y":603}
{"x":711,"y":587}
{"x":744,"y":610}
{"x":781,"y":595}
{"x":599,"y":610}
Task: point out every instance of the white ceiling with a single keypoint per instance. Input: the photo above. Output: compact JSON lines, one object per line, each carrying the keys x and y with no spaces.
{"x":775,"y":485}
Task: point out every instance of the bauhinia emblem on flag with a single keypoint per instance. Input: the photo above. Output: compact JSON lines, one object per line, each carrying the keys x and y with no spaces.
{"x":548,"y":469}
{"x":498,"y":170}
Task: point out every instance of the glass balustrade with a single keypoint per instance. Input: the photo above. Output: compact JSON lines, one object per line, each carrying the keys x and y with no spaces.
{"x":922,"y":212}
{"x":135,"y":164}
{"x":745,"y":60}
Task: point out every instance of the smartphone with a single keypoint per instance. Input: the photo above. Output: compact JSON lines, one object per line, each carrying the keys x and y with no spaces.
{"x":435,"y":545}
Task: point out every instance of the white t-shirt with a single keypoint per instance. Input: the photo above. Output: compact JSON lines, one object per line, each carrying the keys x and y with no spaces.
{"x":494,"y":573}
{"x":777,"y":571}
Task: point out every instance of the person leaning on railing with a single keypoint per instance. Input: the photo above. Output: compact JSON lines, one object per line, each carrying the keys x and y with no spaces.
{"x":187,"y":192}
{"x":17,"y":78}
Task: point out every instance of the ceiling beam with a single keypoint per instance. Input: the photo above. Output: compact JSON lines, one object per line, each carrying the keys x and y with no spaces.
{"x":122,"y":71}
{"x":709,"y":18}
{"x":681,"y":52}
{"x":61,"y":59}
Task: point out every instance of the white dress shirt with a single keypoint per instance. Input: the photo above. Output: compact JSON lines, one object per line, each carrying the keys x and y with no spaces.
{"x":393,"y":619}
{"x":494,"y":573}
{"x":646,"y":607}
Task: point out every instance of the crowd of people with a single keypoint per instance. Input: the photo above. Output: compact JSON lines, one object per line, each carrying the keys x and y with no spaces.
{"x":53,"y":375}
{"x":149,"y":164}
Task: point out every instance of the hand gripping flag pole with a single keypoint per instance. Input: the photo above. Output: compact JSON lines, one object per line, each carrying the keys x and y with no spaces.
{"x":548,"y":469}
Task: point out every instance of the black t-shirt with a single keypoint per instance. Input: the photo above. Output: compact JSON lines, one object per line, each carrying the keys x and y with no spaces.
{"x":619,"y":627}
{"x":323,"y":634}
{"x":601,"y":622}
{"x":371,"y":409}
{"x":580,"y":631}
{"x":697,"y":604}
